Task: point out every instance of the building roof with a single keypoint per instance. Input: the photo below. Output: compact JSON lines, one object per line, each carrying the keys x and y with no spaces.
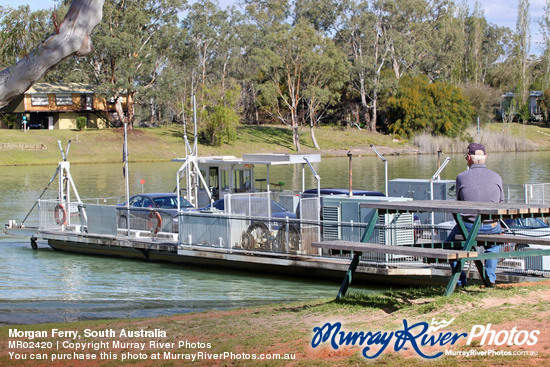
{"x":44,"y":88}
{"x":533,"y":93}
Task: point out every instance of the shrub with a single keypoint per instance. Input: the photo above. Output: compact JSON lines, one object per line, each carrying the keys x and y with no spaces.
{"x":81,"y":122}
{"x":420,"y":106}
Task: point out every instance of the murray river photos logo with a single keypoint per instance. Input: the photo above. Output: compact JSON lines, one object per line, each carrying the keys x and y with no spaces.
{"x":418,"y":336}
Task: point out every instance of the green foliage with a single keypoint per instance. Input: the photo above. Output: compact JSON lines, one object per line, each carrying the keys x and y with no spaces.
{"x":81,"y":122}
{"x":545,"y":105}
{"x":484,"y":100}
{"x":9,"y":121}
{"x":524,"y":114}
{"x":221,"y":116}
{"x":437,"y":108}
{"x":295,"y":61}
{"x":222,"y":122}
{"x":21,"y":31}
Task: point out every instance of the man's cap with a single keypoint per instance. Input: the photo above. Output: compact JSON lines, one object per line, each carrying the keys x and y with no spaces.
{"x":476,"y":149}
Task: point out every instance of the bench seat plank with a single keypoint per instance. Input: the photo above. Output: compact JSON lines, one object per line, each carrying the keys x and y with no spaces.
{"x":462,"y":207}
{"x":506,"y":238}
{"x":396,"y":250}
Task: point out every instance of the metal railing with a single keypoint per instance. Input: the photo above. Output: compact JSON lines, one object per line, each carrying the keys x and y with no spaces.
{"x":527,"y":193}
{"x":249,"y":224}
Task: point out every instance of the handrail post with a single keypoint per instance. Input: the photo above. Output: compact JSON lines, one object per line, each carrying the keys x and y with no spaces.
{"x":317,"y":177}
{"x":436,"y":175}
{"x":385,"y":167}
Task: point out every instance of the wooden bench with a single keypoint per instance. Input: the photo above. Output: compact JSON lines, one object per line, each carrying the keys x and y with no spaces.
{"x":481,"y":210}
{"x":507,"y":238}
{"x":359,"y":247}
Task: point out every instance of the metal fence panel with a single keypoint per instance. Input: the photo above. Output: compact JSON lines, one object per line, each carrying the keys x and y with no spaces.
{"x":527,"y":193}
{"x":252,"y":231}
{"x":102,"y":219}
{"x":204,"y":229}
{"x":55,"y":215}
{"x":310,"y":213}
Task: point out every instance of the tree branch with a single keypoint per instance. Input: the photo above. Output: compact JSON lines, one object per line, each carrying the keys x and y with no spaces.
{"x":73,"y":39}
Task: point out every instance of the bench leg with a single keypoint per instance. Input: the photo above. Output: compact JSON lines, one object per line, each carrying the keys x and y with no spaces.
{"x":456,"y":270}
{"x":349,"y":275}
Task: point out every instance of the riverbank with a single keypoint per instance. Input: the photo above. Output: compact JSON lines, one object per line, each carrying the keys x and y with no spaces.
{"x":518,"y":315}
{"x":39,"y":147}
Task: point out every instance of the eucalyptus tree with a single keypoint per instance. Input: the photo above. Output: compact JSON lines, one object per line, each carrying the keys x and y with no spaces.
{"x":203,"y":24}
{"x":522,"y":40}
{"x":363,"y":35}
{"x":291,"y":70}
{"x":411,"y":33}
{"x":214,"y":45}
{"x":485,"y":46}
{"x":544,"y":24}
{"x":263,"y":20}
{"x":324,"y":75}
{"x":323,"y":15}
{"x":72,"y":36}
{"x":472,"y":62}
{"x":21,"y":31}
{"x":130,"y":52}
{"x":164,"y":96}
{"x":246,"y":71}
{"x":267,"y":14}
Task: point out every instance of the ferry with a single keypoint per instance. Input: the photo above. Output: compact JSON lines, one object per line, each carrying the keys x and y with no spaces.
{"x":249,"y":232}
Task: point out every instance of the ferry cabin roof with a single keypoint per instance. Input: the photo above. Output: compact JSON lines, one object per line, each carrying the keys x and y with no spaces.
{"x":229,"y":174}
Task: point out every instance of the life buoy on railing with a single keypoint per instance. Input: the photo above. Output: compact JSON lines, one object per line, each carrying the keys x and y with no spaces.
{"x":60,"y":214}
{"x":154,"y":216}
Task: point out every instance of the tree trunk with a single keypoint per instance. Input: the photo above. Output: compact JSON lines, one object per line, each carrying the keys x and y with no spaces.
{"x":374,"y":115}
{"x":130,"y":107}
{"x":312,"y":133}
{"x":296,"y":138}
{"x":294,"y":124}
{"x":73,"y":38}
{"x":366,"y":116}
{"x":312,"y":125}
{"x":152,"y":118}
{"x":120,"y":111}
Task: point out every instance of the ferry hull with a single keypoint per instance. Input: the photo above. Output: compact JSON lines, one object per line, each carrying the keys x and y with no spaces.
{"x":265,"y":263}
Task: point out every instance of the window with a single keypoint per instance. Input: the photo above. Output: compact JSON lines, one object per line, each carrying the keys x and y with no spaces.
{"x":147,"y":203}
{"x":86,"y":101}
{"x":39,"y":99}
{"x":213,"y":179}
{"x":63,"y":99}
{"x":136,"y":201}
{"x":242,"y":180}
{"x":225,"y":179}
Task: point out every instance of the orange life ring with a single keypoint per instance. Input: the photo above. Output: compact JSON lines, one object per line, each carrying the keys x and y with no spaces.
{"x":60,"y":214}
{"x":154,"y":229}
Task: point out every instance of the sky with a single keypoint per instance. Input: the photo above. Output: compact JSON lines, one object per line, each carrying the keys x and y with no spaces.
{"x":500,"y":12}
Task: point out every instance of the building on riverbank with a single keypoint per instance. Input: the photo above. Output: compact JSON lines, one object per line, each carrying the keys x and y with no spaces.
{"x":535,"y":111}
{"x":57,"y":106}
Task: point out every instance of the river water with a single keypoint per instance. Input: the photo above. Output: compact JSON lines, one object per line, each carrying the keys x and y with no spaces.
{"x":48,"y":286}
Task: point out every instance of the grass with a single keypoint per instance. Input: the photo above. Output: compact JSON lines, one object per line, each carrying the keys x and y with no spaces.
{"x":288,"y":328}
{"x":165,"y":143}
{"x":538,"y":134}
